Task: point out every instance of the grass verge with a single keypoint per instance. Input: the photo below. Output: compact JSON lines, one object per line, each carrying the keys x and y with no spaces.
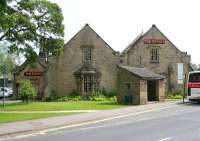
{"x":11,"y":117}
{"x":57,"y":106}
{"x":50,"y":106}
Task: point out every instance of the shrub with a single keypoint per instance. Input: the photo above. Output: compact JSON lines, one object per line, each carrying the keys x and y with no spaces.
{"x":70,"y":98}
{"x":114,"y":98}
{"x":76,"y":96}
{"x":177,"y":96}
{"x":99,"y":98}
{"x":27,"y":91}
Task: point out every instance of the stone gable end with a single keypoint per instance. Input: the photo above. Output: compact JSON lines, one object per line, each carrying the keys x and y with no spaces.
{"x":103,"y":59}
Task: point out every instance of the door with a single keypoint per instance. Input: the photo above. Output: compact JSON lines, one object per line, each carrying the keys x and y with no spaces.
{"x":151,"y":90}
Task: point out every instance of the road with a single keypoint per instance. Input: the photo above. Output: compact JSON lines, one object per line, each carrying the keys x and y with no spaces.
{"x":178,"y":123}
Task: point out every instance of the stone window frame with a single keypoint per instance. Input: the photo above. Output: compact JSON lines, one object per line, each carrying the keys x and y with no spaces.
{"x":87,"y":83}
{"x":87,"y":51}
{"x":155,"y":54}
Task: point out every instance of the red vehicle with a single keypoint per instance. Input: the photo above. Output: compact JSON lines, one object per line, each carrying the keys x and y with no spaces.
{"x":193,"y":86}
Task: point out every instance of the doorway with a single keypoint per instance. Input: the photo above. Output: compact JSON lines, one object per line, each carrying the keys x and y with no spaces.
{"x":151,"y":90}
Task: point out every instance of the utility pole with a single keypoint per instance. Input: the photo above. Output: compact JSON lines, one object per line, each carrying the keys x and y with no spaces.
{"x":4,"y":84}
{"x":184,"y":83}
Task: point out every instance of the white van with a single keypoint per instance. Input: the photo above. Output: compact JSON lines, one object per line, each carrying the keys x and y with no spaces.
{"x":193,"y":86}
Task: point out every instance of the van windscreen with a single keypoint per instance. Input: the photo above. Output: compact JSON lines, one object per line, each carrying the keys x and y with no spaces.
{"x":194,"y":77}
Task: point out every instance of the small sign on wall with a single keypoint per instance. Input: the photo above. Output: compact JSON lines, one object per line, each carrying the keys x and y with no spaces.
{"x":180,"y":75}
{"x":154,"y":41}
{"x":33,"y":73}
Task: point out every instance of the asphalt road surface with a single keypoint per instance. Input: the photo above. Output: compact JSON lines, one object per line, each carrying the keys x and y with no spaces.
{"x":178,"y":123}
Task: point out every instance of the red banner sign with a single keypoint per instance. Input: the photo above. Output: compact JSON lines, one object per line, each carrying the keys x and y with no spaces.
{"x":33,"y":73}
{"x":154,"y":41}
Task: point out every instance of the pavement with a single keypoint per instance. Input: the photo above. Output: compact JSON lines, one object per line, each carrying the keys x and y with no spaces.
{"x":178,"y":122}
{"x":41,"y":126}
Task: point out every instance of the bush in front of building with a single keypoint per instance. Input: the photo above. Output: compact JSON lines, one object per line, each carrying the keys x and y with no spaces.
{"x":27,"y":91}
{"x":100,"y":95}
{"x":69,"y":98}
{"x":86,"y":98}
{"x":175,"y":95}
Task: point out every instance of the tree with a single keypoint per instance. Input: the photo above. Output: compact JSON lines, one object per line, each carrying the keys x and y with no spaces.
{"x":30,"y":25}
{"x":27,"y":91}
{"x":7,"y":59}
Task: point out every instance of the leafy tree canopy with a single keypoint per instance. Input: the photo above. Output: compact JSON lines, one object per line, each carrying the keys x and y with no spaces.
{"x":31,"y":25}
{"x":7,"y":60}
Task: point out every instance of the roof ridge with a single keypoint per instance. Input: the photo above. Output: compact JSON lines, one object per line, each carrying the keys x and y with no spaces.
{"x":133,"y":42}
{"x":87,"y":25}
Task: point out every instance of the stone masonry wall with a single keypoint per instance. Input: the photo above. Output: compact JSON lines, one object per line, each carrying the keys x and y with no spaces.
{"x":124,"y":78}
{"x":61,"y":74}
{"x":139,"y":56}
{"x":143,"y":92}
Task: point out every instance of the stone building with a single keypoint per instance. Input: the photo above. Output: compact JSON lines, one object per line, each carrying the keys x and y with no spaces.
{"x":89,"y":64}
{"x":154,"y":51}
{"x":139,"y":85}
{"x":35,"y":72}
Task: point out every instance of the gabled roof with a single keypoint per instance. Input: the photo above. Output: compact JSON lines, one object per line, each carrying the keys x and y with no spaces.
{"x":20,"y":68}
{"x":133,"y":43}
{"x":143,"y":35}
{"x":143,"y":73}
{"x":87,"y":27}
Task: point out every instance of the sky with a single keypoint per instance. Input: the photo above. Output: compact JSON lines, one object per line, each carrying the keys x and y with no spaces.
{"x":119,"y":22}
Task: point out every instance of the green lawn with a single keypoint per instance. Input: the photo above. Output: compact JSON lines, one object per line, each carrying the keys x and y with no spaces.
{"x":50,"y":106}
{"x":12,"y":117}
{"x":58,"y":106}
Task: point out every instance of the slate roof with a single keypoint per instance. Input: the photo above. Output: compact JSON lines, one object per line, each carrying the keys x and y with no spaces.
{"x":143,"y":73}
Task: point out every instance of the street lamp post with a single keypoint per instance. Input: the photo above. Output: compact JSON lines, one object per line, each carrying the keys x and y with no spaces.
{"x":4,"y":83}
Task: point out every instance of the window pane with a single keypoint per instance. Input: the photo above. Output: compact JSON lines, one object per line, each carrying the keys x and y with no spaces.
{"x":87,"y":54}
{"x":90,"y":83}
{"x":154,"y":55}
